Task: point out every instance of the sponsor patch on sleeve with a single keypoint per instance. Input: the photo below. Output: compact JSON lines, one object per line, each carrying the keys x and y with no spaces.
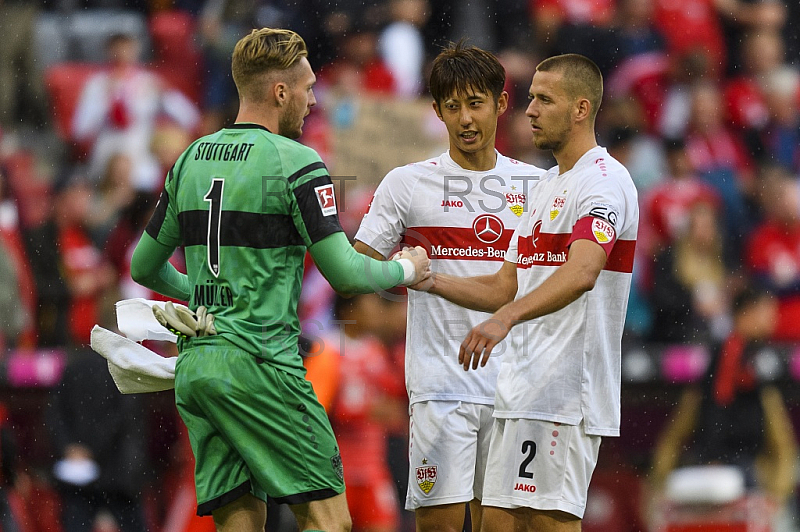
{"x":596,"y":229}
{"x":326,"y":199}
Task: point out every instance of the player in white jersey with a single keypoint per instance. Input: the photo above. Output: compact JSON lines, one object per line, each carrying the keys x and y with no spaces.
{"x":564,"y":289}
{"x":463,"y":206}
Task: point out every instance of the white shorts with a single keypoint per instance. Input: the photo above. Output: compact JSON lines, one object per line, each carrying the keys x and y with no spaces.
{"x":447,"y":450}
{"x":539,"y":464}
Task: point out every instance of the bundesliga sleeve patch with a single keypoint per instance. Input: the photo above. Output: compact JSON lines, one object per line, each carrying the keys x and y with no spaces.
{"x":596,"y":229}
{"x":326,"y":199}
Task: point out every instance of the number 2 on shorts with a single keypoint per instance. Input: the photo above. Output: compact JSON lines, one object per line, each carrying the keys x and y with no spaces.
{"x":529,"y":448}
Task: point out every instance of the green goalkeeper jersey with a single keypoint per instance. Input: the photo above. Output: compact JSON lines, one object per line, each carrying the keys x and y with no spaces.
{"x":245,"y":204}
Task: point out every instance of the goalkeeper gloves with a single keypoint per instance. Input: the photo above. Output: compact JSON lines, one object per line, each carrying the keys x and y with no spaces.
{"x":181,"y":321}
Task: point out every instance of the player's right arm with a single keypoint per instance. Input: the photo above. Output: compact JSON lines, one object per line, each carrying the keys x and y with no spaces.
{"x":150,"y":265}
{"x":316,"y":219}
{"x":486,"y":292}
{"x":364,"y":249}
{"x":349,"y":272}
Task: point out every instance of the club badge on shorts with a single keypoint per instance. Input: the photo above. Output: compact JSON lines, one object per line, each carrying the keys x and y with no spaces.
{"x":426,"y":476}
{"x":338,"y":467}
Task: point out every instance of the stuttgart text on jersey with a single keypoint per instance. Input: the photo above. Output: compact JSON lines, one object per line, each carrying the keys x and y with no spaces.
{"x":222,"y":151}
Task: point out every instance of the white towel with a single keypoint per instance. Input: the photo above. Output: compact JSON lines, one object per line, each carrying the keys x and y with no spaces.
{"x":134,"y":368}
{"x":136,"y":321}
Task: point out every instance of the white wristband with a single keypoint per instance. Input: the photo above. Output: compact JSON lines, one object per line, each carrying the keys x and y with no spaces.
{"x":409,"y":272}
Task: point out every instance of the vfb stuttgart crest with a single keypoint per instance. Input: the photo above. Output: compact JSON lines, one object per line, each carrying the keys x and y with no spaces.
{"x":558,"y":204}
{"x":516,"y":202}
{"x":426,"y":476}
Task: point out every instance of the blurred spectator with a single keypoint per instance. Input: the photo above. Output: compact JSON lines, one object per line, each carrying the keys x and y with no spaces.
{"x":689,"y":283}
{"x":742,"y":17}
{"x":772,"y":250}
{"x":21,"y":87}
{"x":402,"y":46}
{"x":223,"y":22}
{"x":673,"y":116}
{"x":763,"y":53}
{"x":168,"y":142}
{"x":362,"y":409}
{"x":519,"y":140}
{"x":791,"y":32}
{"x":667,"y":206}
{"x":120,"y":243}
{"x":113,"y":193}
{"x":18,"y":293}
{"x":13,"y":316}
{"x":69,"y":270}
{"x":634,"y":29}
{"x":692,"y":25}
{"x":358,"y":70}
{"x":9,"y":462}
{"x":779,"y":139}
{"x":641,"y":64}
{"x":119,"y":108}
{"x":641,"y":154}
{"x":718,"y":155}
{"x":732,"y":417}
{"x":576,"y":26}
{"x":556,"y":22}
{"x":100,"y":444}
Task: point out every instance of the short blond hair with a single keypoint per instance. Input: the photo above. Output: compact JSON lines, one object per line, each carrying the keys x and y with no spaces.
{"x":264,"y":51}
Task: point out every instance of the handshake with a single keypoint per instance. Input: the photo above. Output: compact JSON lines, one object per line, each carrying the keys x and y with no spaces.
{"x":416,"y":266}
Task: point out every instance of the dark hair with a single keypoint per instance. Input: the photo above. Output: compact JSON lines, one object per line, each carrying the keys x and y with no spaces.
{"x":581,"y":77}
{"x":748,"y":296}
{"x":460,"y":68}
{"x":674,"y":144}
{"x":120,"y":37}
{"x":619,"y":136}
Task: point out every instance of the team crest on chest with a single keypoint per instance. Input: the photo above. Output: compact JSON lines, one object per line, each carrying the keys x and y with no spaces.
{"x":426,"y":476}
{"x":516,"y":201}
{"x":558,"y":206}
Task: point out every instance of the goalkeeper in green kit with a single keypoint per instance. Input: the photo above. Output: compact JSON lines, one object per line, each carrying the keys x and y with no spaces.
{"x":246,"y":203}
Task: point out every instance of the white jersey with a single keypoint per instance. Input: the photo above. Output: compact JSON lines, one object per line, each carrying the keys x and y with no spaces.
{"x":565,"y":366}
{"x":465,"y":220}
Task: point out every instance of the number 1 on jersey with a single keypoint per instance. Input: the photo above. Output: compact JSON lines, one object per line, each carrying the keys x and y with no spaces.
{"x":214,"y":197}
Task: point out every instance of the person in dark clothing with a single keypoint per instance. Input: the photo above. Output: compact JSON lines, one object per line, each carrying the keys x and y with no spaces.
{"x":100,"y":446}
{"x":731,"y":417}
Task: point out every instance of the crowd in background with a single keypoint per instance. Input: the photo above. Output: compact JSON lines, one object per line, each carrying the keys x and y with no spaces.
{"x":99,"y":97}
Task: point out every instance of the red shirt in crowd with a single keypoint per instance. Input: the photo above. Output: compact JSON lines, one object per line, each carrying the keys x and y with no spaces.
{"x":667,"y":208}
{"x":691,"y":25}
{"x":82,"y":264}
{"x":773,"y":253}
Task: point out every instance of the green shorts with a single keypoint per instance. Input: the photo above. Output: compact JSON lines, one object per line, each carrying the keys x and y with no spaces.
{"x":254,"y":429}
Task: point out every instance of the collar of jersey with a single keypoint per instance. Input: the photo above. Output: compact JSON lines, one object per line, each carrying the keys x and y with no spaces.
{"x":247,"y":125}
{"x":452,"y":165}
{"x":585,"y":159}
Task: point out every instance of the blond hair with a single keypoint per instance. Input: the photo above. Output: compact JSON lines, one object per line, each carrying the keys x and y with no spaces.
{"x":582,"y":78}
{"x":262,"y":52}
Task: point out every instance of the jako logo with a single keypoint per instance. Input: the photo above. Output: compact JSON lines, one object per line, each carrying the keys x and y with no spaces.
{"x":530,"y":488}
